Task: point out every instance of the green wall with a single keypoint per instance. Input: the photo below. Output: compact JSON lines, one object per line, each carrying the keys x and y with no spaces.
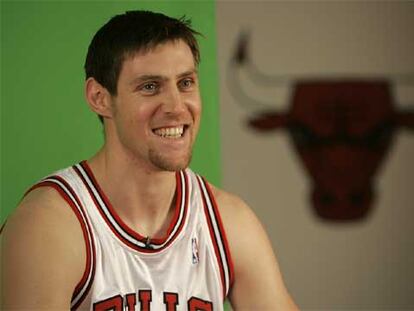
{"x":45,"y":121}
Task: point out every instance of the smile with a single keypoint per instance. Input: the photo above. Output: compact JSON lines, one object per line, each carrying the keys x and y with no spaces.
{"x":170,"y":132}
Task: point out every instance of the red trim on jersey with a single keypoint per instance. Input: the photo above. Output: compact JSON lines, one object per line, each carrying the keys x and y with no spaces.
{"x":90,"y":257}
{"x":214,"y":240}
{"x":108,"y":204}
{"x":104,"y":217}
{"x":159,"y":241}
{"x":95,"y":201}
{"x":133,"y":234}
{"x":222,"y":233}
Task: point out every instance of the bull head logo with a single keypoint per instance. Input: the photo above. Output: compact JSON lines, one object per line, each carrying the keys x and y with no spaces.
{"x":342,"y":128}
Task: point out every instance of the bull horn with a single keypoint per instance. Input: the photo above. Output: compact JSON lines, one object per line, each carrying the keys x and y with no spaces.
{"x":241,"y":58}
{"x":240,"y":61}
{"x":241,"y":54}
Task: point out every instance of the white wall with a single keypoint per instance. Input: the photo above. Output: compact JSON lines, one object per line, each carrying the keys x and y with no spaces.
{"x":367,"y":265}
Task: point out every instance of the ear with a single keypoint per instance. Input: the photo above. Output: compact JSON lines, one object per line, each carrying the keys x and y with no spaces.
{"x":98,"y":98}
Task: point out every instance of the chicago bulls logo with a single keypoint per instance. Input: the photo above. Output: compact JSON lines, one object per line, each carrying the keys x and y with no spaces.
{"x":341,"y":128}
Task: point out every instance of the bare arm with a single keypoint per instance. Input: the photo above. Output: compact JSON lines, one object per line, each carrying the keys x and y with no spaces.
{"x":258,"y":284}
{"x":43,"y":254}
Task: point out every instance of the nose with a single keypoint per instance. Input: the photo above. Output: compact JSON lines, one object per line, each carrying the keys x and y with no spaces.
{"x":173,"y":101}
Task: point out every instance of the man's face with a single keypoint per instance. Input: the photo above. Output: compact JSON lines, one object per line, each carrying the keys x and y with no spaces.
{"x":156,"y":112}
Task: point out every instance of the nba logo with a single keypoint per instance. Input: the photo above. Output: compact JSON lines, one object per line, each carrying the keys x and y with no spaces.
{"x":194,"y":246}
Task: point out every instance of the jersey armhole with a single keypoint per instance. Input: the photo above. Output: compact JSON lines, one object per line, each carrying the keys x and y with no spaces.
{"x":68,"y":194}
{"x":218,"y":236}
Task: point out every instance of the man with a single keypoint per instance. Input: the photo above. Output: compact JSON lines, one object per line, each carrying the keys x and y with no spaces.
{"x":133,"y":228}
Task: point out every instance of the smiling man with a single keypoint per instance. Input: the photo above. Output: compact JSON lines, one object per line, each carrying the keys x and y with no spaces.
{"x":133,"y":228}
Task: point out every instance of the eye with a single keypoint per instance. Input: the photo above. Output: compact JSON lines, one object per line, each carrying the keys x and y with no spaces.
{"x":149,"y":87}
{"x":186,"y":83}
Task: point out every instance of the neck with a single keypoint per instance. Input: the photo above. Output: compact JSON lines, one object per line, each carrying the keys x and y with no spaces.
{"x":144,"y":198}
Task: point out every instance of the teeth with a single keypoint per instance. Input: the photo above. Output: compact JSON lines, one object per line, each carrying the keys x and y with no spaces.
{"x":170,"y":132}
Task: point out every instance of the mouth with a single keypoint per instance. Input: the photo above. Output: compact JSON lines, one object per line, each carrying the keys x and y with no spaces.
{"x":171,"y":132}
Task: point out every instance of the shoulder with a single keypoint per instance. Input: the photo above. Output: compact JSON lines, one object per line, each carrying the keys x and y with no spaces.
{"x":43,"y":213}
{"x":42,"y":209}
{"x":42,"y":222}
{"x":236,"y":216}
{"x":42,"y":249}
{"x":235,"y":212}
{"x":258,"y":283}
{"x":243,"y":229}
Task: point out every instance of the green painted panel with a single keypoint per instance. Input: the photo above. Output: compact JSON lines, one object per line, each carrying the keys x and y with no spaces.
{"x":45,"y":121}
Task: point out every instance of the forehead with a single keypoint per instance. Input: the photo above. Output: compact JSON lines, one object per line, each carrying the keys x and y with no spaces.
{"x":166,"y":58}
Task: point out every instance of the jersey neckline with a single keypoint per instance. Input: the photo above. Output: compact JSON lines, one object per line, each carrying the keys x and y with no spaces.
{"x":121,"y":230}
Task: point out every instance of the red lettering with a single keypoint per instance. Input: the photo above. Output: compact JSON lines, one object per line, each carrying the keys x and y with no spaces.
{"x":171,"y":301}
{"x":196,"y":304}
{"x":145,"y":297}
{"x":131,"y":301}
{"x":113,"y":303}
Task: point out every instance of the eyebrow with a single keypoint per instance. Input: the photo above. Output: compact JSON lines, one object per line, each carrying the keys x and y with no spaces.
{"x":149,"y":77}
{"x":188,"y":73}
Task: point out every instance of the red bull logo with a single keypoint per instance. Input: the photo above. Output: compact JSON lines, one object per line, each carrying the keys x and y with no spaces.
{"x":342,"y":129}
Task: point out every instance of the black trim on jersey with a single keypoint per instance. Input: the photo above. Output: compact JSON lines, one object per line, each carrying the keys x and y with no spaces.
{"x":213,"y":236}
{"x":217,"y":237}
{"x":121,"y":230}
{"x":70,"y":196}
{"x":221,"y":230}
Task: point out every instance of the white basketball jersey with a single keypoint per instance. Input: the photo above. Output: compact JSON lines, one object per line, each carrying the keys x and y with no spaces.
{"x":189,"y":269}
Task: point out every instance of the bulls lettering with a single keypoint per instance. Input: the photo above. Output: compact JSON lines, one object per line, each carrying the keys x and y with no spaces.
{"x":145,"y":298}
{"x":171,"y":301}
{"x":113,"y":303}
{"x":129,"y":302}
{"x":196,"y":304}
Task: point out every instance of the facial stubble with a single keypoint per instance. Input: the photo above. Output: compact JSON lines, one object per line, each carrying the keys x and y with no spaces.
{"x":164,"y":163}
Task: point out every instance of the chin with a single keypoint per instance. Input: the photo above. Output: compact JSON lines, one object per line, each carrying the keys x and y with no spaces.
{"x":168,"y":163}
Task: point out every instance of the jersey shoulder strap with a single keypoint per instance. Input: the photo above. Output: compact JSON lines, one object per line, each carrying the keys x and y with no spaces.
{"x":218,"y":235}
{"x":61,"y":181}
